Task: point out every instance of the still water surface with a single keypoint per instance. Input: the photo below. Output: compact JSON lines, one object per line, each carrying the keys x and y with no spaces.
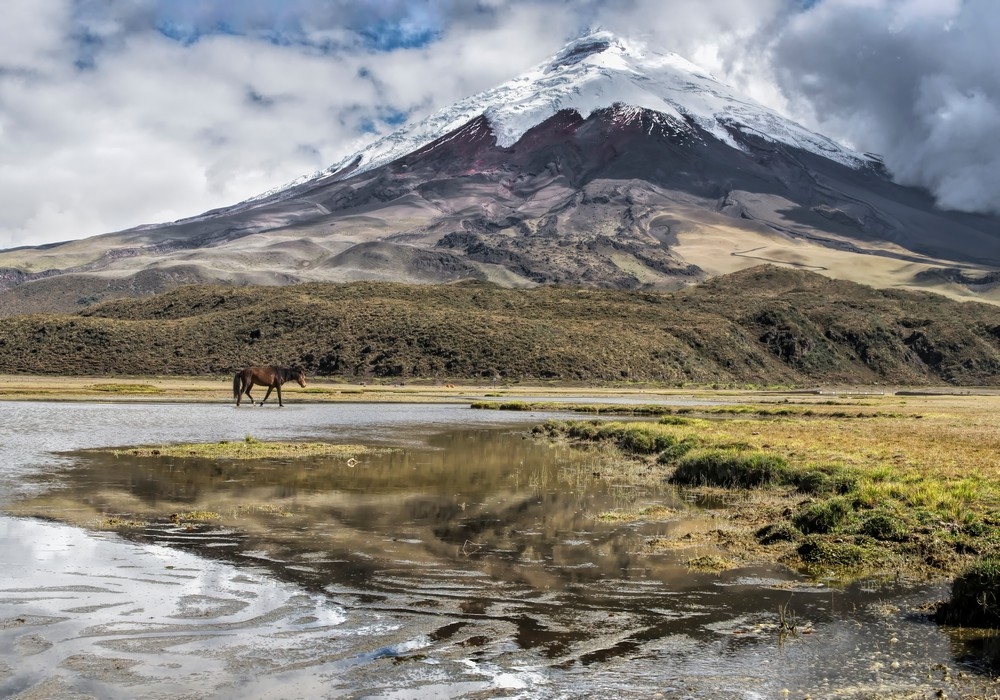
{"x":465,"y":562}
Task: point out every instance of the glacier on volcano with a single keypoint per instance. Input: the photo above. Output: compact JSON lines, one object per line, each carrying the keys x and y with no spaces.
{"x":597,"y":71}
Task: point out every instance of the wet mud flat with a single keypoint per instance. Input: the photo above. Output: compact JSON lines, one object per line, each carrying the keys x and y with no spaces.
{"x":468,"y":565}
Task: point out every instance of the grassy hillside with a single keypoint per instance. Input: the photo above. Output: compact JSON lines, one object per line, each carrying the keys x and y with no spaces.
{"x":766,"y":325}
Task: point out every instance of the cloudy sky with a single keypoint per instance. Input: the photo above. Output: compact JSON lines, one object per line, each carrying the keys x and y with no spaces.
{"x":115,"y":113}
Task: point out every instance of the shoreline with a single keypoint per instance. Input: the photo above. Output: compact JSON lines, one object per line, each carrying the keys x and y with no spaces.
{"x":176,"y":389}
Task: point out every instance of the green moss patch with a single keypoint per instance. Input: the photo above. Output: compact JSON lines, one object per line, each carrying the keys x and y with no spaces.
{"x":655,"y":512}
{"x":120,"y":523}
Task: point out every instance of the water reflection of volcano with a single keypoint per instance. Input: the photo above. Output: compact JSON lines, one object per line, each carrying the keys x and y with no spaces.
{"x":486,"y":542}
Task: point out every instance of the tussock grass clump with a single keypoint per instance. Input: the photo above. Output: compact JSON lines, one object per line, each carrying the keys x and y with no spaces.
{"x":511,"y":406}
{"x":680,"y":448}
{"x":551,"y":428}
{"x":824,"y":480}
{"x":975,"y":596}
{"x":731,"y":468}
{"x":817,"y":549}
{"x":823,"y":516}
{"x":634,"y":438}
{"x":781,"y":531}
{"x":887,"y":526}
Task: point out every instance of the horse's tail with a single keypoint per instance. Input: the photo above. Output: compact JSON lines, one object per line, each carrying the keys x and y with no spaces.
{"x":237,"y":384}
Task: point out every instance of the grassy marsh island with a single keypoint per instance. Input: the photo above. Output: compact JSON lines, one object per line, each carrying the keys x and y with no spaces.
{"x":229,"y":460}
{"x":247,"y":449}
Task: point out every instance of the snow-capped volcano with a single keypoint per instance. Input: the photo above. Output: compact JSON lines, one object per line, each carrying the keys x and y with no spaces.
{"x":610,"y":165}
{"x":600,"y":71}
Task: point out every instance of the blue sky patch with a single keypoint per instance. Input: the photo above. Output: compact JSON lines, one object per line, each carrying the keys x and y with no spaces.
{"x":389,"y":36}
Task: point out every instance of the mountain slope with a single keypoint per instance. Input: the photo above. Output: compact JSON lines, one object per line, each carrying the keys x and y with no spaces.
{"x":608,"y":165}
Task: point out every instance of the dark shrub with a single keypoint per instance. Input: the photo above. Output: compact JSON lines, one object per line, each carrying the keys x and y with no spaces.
{"x":976,"y":528}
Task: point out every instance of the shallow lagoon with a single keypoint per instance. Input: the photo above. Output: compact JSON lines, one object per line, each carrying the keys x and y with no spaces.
{"x":466,"y":562}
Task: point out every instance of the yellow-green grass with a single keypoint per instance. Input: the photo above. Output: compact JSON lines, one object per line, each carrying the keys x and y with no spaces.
{"x":948,"y":463}
{"x":248,"y":449}
{"x":915,"y":490}
{"x":651,"y":512}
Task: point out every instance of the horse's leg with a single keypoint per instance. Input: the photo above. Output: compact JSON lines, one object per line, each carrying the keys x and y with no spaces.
{"x":267,"y":394}
{"x":246,"y":391}
{"x":279,"y":396}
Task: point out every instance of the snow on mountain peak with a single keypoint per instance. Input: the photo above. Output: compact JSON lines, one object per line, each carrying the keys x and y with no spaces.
{"x":596,"y":71}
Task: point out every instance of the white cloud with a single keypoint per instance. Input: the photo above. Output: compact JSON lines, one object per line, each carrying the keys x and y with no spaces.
{"x":157,"y":128}
{"x":913,"y":80}
{"x":32,"y":34}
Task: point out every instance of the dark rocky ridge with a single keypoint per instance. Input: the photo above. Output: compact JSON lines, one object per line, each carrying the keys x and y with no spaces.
{"x":765,"y":325}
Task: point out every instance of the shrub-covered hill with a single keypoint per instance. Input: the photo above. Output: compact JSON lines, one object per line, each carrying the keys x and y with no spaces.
{"x":765,"y":325}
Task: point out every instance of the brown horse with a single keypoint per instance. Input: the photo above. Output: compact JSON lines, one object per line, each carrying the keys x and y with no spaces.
{"x":270,"y":376}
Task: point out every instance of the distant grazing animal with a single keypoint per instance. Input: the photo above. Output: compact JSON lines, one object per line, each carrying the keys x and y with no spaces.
{"x":270,"y":376}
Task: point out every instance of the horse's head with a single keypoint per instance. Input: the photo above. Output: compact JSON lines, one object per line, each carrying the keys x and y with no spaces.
{"x":300,"y":377}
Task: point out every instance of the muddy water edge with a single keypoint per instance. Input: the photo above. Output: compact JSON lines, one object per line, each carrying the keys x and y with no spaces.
{"x":460,"y":557}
